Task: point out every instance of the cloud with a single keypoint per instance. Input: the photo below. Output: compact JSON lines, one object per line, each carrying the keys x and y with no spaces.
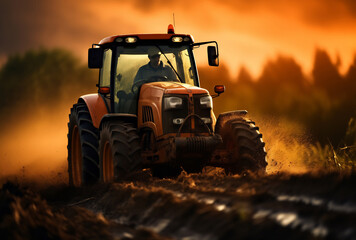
{"x":28,"y":24}
{"x":315,"y":12}
{"x":320,"y":13}
{"x":19,"y":25}
{"x":248,"y":31}
{"x":328,"y":13}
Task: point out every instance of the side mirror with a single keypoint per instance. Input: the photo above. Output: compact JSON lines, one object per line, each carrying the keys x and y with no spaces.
{"x":95,"y":57}
{"x":219,"y":89}
{"x":213,"y":56}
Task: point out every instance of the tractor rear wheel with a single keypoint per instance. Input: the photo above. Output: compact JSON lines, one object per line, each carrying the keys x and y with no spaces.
{"x":83,"y":157}
{"x":244,"y":145}
{"x":120,"y":151}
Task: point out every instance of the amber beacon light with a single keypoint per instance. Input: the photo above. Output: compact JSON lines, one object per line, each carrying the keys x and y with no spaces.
{"x":170,"y":29}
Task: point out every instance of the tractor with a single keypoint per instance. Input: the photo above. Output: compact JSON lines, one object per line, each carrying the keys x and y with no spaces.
{"x":154,"y":115}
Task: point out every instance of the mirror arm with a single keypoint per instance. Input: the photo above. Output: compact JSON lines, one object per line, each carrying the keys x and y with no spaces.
{"x":215,"y":96}
{"x":202,"y":43}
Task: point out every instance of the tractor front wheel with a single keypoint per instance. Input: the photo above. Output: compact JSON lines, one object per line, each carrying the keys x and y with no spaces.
{"x":244,"y":146}
{"x":120,"y":151}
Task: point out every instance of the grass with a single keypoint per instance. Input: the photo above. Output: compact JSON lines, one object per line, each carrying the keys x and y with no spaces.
{"x":331,"y":158}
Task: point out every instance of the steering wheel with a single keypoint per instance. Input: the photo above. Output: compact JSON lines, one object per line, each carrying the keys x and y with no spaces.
{"x":137,"y":84}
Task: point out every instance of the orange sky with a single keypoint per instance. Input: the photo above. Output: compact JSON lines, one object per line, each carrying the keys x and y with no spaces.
{"x":248,"y":32}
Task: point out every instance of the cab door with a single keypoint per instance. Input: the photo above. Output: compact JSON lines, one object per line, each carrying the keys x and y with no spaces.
{"x":105,"y":75}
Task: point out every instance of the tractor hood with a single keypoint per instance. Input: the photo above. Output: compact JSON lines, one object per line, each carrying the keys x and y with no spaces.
{"x":152,"y":110}
{"x":175,"y":88}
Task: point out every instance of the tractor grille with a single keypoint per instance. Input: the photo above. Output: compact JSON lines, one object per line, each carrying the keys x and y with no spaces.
{"x":169,"y":115}
{"x":201,"y":112}
{"x":147,"y":114}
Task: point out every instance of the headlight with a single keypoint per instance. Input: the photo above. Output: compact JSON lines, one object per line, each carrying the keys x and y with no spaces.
{"x":178,"y":121}
{"x":177,"y":39}
{"x":131,"y":39}
{"x":172,"y":103}
{"x":119,"y":40}
{"x":206,"y":120}
{"x":206,"y":102}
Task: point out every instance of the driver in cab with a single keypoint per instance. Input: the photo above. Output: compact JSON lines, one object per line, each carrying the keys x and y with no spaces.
{"x":154,"y":68}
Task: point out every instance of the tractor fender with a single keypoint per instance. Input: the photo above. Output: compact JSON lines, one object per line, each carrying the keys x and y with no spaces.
{"x":97,"y":107}
{"x":223,"y":117}
{"x":125,"y":117}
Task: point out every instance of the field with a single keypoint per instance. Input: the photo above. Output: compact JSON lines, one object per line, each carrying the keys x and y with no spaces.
{"x":210,"y":205}
{"x":308,"y":124}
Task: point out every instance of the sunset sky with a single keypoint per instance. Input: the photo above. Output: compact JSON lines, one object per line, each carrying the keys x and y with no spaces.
{"x":248,"y":32}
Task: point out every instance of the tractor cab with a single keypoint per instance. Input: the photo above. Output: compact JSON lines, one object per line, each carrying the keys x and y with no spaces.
{"x":135,"y":67}
{"x":127,"y":62}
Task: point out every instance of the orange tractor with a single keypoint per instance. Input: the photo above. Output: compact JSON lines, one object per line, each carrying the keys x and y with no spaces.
{"x":150,"y":112}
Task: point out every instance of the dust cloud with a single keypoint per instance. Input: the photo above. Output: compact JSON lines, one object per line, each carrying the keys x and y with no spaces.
{"x":286,"y":144}
{"x":34,"y":148}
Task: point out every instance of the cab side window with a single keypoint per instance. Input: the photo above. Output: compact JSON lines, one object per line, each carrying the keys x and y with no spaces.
{"x":106,"y":69}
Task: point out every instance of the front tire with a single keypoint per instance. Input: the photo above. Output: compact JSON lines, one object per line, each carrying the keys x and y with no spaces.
{"x":83,"y":157}
{"x":120,"y":151}
{"x":244,"y":145}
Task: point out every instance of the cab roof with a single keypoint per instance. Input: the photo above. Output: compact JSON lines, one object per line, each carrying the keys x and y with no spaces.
{"x":151,"y":37}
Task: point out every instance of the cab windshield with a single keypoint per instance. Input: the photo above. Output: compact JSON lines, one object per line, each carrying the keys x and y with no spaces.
{"x":133,"y":69}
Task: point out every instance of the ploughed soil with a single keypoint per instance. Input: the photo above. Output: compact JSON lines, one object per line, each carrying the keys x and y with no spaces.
{"x":209,"y":205}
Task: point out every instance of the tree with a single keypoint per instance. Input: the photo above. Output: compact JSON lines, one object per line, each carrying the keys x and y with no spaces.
{"x":326,"y":74}
{"x":282,"y":72}
{"x":351,"y":78}
{"x":40,"y":77}
{"x":244,"y":77}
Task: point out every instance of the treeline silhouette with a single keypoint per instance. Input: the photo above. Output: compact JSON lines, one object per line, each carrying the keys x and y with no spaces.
{"x":322,"y":103}
{"x":41,"y":79}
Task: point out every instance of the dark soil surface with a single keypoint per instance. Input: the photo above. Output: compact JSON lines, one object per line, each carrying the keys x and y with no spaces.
{"x":210,"y":205}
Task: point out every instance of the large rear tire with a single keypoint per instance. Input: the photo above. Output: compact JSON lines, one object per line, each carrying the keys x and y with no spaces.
{"x":120,"y":151}
{"x":244,"y":145}
{"x":83,"y":157}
